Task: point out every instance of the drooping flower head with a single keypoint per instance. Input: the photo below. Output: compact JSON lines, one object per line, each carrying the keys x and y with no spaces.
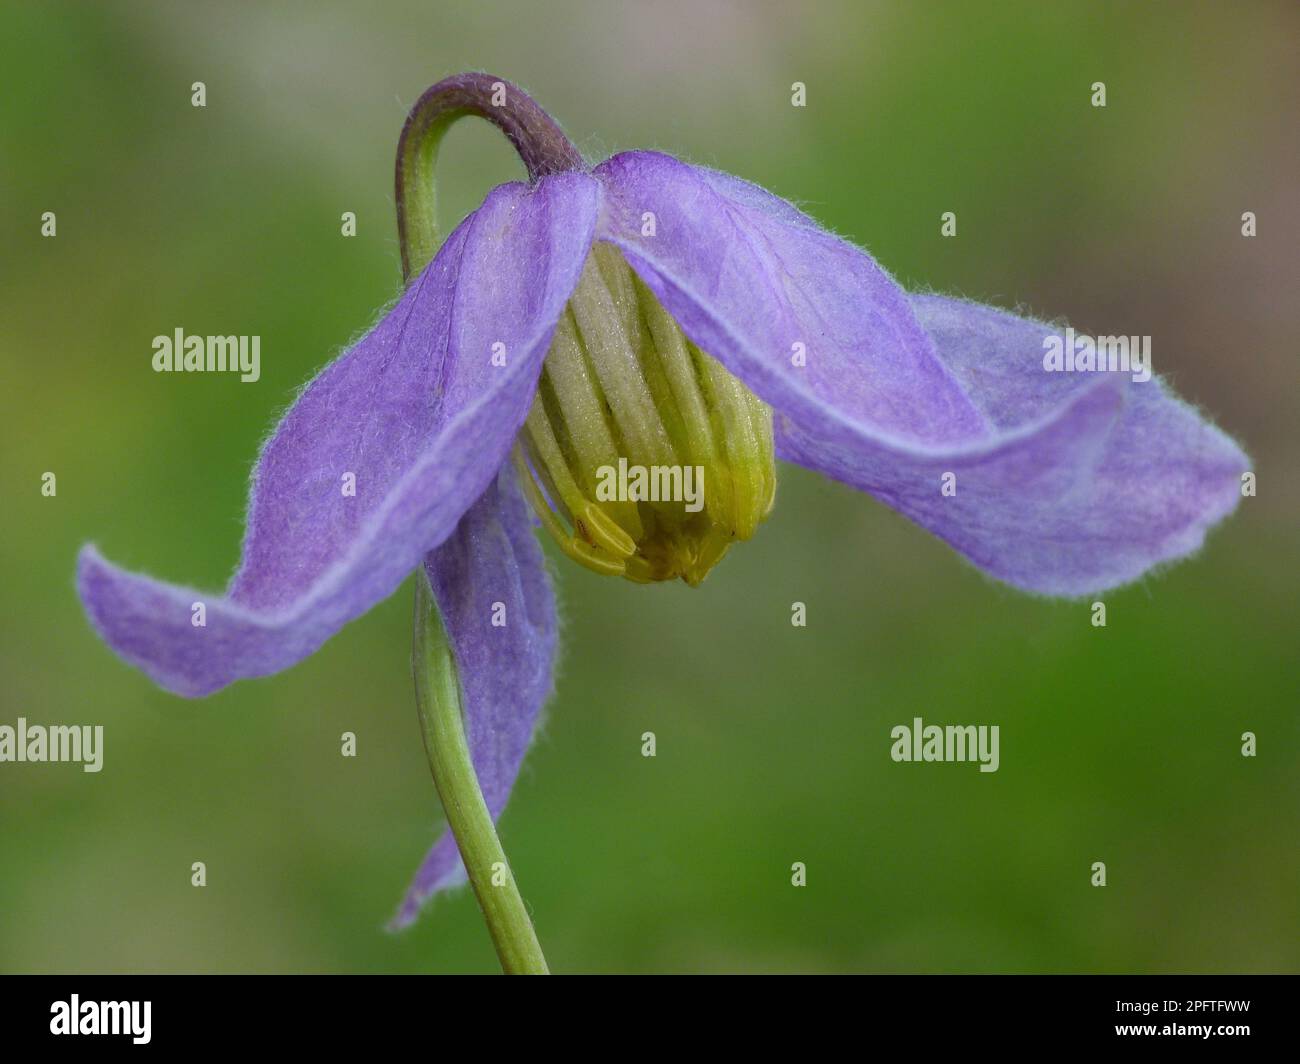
{"x":622,"y":351}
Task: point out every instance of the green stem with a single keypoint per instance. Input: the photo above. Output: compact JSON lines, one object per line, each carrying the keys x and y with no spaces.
{"x":544,"y":149}
{"x":537,"y":138}
{"x":438,"y":695}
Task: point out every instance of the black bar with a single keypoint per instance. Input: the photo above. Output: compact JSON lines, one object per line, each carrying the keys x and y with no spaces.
{"x":865,"y":1013}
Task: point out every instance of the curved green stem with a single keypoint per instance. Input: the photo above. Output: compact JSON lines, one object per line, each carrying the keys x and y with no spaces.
{"x":438,"y":695}
{"x":537,"y":137}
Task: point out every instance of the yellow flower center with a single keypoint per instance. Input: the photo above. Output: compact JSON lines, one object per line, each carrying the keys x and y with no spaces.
{"x":642,"y":455}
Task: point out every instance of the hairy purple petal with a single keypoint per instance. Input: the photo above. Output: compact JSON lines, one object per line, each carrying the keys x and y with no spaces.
{"x":416,"y":411}
{"x":1148,"y":489}
{"x":505,"y":671}
{"x":1086,"y":481}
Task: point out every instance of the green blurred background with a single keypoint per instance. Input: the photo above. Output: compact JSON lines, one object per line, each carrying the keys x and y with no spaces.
{"x":1119,"y":744}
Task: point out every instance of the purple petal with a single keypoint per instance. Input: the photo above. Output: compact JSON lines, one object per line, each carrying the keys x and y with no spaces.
{"x":416,"y":411}
{"x":1065,"y":483}
{"x":1148,"y":488}
{"x":505,"y":671}
{"x":1085,"y":482}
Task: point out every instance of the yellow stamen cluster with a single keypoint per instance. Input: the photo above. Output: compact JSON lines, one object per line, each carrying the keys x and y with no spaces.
{"x":622,"y":381}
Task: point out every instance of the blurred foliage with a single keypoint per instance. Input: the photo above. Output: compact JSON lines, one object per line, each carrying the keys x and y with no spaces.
{"x":1118,"y":744}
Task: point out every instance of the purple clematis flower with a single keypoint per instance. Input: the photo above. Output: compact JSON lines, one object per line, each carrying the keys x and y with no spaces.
{"x":608,"y":326}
